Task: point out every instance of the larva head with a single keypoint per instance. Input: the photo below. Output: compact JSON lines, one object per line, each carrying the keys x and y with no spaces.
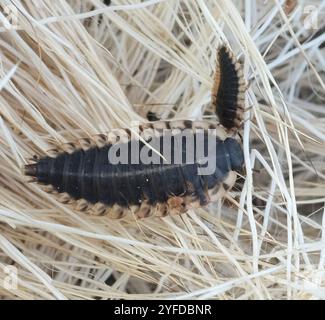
{"x":30,"y":170}
{"x":40,"y":170}
{"x":228,"y":90}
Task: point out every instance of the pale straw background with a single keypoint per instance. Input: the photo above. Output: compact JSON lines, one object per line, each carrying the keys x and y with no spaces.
{"x":72,"y":69}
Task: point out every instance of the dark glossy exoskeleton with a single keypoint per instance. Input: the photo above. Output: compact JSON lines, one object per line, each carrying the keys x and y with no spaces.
{"x":85,"y":174}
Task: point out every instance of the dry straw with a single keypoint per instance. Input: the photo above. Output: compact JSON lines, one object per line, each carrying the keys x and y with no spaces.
{"x":72,"y":69}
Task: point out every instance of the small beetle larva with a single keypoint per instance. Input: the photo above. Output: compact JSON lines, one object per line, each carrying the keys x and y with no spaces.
{"x":228,"y":90}
{"x":87,"y":176}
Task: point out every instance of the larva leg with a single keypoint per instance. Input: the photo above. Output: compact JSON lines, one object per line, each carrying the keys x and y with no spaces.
{"x":100,"y":140}
{"x":145,"y":210}
{"x":53,"y":153}
{"x":64,"y":198}
{"x":69,"y":147}
{"x":81,"y":205}
{"x":161,"y":210}
{"x":99,"y":209}
{"x":116,"y":212}
{"x":85,"y":143}
{"x":49,"y":189}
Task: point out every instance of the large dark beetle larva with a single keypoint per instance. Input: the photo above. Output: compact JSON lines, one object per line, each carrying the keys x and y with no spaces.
{"x":85,"y":175}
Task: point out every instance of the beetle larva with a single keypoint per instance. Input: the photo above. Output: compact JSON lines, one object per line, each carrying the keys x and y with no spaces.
{"x":87,"y":176}
{"x":144,"y":188}
{"x":228,"y":90}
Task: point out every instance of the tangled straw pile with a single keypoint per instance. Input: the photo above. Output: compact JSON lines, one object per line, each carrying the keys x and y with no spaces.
{"x":72,"y":69}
